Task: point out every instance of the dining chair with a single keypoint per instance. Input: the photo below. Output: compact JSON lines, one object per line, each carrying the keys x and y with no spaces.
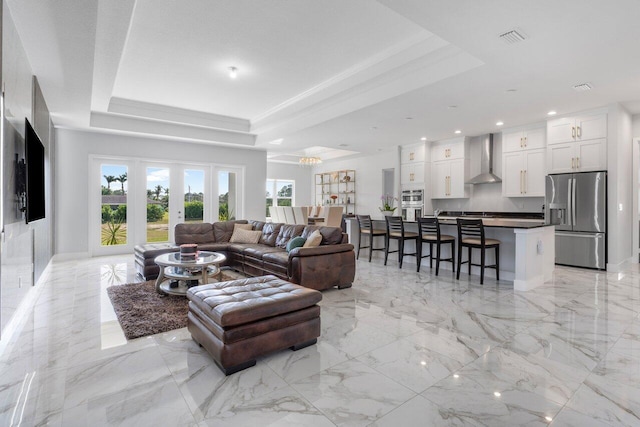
{"x":281,"y":217}
{"x":396,"y":231}
{"x":288,"y":215}
{"x":365,"y":228}
{"x":273,"y":213}
{"x":471,"y":235}
{"x":301,"y":215}
{"x":429,"y":230}
{"x":332,"y":216}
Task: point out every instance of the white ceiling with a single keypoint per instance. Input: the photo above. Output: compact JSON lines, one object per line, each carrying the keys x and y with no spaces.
{"x":326,"y":75}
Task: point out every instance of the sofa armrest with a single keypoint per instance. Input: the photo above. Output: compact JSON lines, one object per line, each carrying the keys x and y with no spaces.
{"x":321,"y":250}
{"x":323,"y":267}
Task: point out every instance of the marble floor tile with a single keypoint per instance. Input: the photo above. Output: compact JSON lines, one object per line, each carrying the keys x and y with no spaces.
{"x":476,"y":400}
{"x":352,"y":394}
{"x":398,"y":348}
{"x":413,"y":365}
{"x":284,"y":407}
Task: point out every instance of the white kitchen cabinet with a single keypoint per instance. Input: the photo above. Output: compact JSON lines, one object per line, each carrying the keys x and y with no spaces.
{"x":580,"y":156}
{"x":531,"y":139}
{"x":449,"y":149}
{"x":412,"y":153}
{"x":412,"y":173}
{"x":579,"y":128}
{"x":523,"y":174}
{"x":448,"y":179}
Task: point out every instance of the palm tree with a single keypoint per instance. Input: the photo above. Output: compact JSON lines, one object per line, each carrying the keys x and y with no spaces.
{"x":157,"y":191}
{"x":122,"y":179}
{"x":166,"y":193}
{"x":109,"y":179}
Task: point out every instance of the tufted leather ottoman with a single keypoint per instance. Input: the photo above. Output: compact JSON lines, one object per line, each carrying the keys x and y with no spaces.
{"x":240,"y":320}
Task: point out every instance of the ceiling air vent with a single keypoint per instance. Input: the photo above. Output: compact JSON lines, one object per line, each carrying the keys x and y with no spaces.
{"x":513,"y":36}
{"x":582,"y":87}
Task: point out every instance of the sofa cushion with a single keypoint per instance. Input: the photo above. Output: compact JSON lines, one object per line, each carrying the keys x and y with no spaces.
{"x":258,"y":251}
{"x":296,"y":242}
{"x":279,"y":258}
{"x":152,"y":250}
{"x":257,"y":225}
{"x":330,"y":235}
{"x":238,"y":248}
{"x":213,"y":247}
{"x":270,"y":233}
{"x":287,"y":232}
{"x":245,"y":236}
{"x":223,"y":230}
{"x":194,"y":233}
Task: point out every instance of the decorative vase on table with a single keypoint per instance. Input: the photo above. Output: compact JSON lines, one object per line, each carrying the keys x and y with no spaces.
{"x":387,"y":213}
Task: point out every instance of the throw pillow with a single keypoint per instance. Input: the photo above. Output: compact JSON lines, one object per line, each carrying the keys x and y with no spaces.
{"x":296,"y":242}
{"x":314,"y":240}
{"x":245,"y":236}
{"x":243,"y":226}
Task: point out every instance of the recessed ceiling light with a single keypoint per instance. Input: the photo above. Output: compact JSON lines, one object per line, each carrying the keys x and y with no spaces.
{"x":233,"y":72}
{"x":424,"y":138}
{"x":276,"y":141}
{"x":374,"y":127}
{"x":499,"y":123}
{"x":458,"y":131}
{"x":452,"y":107}
{"x":551,"y":113}
{"x":343,"y":145}
{"x":423,"y":363}
{"x":511,"y":90}
{"x":497,"y":394}
{"x":408,"y":118}
{"x":456,"y":376}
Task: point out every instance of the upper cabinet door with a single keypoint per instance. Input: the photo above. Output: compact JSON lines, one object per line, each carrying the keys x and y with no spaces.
{"x":411,"y":154}
{"x":531,"y":139}
{"x":512,"y":141}
{"x":440,"y":179}
{"x":561,"y":158}
{"x":591,"y":155}
{"x":534,"y":139}
{"x":591,"y":127}
{"x":580,"y":128}
{"x":448,"y":150}
{"x":561,"y":130}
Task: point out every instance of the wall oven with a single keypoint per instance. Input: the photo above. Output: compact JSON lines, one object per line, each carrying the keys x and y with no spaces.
{"x":412,"y":204}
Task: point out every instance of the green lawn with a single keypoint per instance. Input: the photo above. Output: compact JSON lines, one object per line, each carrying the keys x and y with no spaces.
{"x":156,"y":231}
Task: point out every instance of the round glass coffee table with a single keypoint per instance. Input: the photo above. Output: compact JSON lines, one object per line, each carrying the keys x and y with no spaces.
{"x":178,"y":274}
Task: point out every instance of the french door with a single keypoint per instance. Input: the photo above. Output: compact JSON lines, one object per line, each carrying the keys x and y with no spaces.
{"x":136,"y":202}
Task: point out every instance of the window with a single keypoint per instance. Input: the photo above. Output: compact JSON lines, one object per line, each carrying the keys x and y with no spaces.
{"x":280,"y":192}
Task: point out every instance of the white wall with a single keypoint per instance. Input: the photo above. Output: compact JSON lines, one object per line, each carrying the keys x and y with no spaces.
{"x":368,"y":178}
{"x":302,"y":175}
{"x":74,"y":147}
{"x":620,"y":185}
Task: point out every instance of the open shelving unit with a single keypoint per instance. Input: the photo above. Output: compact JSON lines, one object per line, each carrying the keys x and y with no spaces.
{"x":341,"y":184}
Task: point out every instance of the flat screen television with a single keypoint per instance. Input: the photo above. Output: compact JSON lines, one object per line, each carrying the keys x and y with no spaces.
{"x":34,"y":159}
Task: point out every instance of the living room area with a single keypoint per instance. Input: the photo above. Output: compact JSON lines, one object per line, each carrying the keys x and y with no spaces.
{"x":167,"y":123}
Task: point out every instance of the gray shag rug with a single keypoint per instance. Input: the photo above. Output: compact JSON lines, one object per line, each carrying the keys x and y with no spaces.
{"x":142,"y":311}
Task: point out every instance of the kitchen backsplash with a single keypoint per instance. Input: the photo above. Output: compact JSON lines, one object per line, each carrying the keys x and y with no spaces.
{"x":488,"y":197}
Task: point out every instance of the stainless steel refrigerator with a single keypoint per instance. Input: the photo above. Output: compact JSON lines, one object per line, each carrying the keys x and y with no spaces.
{"x":576,"y":203}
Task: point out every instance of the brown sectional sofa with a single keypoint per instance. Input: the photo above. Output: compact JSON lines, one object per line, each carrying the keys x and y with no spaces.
{"x":333,"y":263}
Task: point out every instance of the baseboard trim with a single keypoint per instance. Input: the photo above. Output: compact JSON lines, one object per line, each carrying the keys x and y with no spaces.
{"x":70,"y":256}
{"x":616,"y":268}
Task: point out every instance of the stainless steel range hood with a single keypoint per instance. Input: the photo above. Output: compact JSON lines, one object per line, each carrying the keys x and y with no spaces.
{"x":486,"y":175}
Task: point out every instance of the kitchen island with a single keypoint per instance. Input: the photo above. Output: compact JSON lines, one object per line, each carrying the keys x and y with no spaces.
{"x":527,"y":249}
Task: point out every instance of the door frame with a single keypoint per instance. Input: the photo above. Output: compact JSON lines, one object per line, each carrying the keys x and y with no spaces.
{"x":635,"y":176}
{"x":95,"y":206}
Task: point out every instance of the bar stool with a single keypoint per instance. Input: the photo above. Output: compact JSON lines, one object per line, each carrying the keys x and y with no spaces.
{"x":429,"y":229}
{"x":395,"y":230}
{"x":471,"y":235}
{"x":365,"y":227}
